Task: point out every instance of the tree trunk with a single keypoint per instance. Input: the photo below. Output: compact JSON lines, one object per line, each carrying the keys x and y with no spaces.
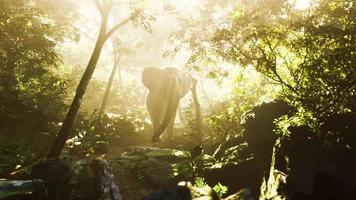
{"x":197,"y":109}
{"x":67,"y":125}
{"x":120,"y":78}
{"x":109,"y":85}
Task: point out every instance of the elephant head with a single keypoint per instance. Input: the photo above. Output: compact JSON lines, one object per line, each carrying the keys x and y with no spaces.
{"x":166,"y":88}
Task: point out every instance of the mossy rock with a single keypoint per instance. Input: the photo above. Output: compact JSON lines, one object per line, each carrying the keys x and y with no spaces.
{"x":155,"y":173}
{"x":153,"y":166}
{"x":22,"y":189}
{"x":184,"y":190}
{"x":66,"y":178}
{"x":158,"y":153}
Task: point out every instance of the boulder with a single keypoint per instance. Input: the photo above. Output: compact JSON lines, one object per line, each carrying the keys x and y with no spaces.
{"x":77,"y":179}
{"x":168,"y":154}
{"x":243,"y":194}
{"x":105,"y":187}
{"x":155,"y":173}
{"x":310,"y":165}
{"x":184,"y":191}
{"x":175,"y":193}
{"x":236,"y":177}
{"x":258,"y":131}
{"x":22,"y":189}
{"x":153,"y":166}
{"x":56,"y":175}
{"x":246,"y":160}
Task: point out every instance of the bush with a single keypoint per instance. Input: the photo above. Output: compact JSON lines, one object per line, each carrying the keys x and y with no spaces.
{"x":226,"y":124}
{"x":14,"y":154}
{"x":95,"y":133}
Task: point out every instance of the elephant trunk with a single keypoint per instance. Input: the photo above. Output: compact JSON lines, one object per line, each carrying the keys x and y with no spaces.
{"x":172,"y":107}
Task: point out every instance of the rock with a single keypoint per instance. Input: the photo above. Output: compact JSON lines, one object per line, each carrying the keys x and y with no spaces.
{"x":156,"y":173}
{"x":293,"y":166}
{"x":236,"y":177}
{"x":176,"y":193}
{"x":327,"y":187}
{"x":184,"y":191}
{"x":203,"y":193}
{"x":22,"y":189}
{"x":167,"y":154}
{"x":258,"y":131}
{"x":56,"y":175}
{"x":246,"y":160}
{"x":340,"y":124}
{"x":196,"y":151}
{"x":313,"y":166}
{"x":77,"y":179}
{"x":275,"y":188}
{"x":244,"y":194}
{"x":337,"y":179}
{"x":339,"y":132}
{"x":104,"y":185}
{"x":235,"y":154}
{"x":82,"y":179}
{"x":153,"y":166}
{"x":101,"y":147}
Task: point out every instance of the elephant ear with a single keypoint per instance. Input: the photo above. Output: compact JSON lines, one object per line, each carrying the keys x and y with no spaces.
{"x":186,"y":85}
{"x":150,"y":77}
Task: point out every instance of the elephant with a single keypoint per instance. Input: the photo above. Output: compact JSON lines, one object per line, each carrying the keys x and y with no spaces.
{"x":166,"y":87}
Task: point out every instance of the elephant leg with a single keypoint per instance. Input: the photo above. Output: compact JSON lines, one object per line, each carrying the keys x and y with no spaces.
{"x":166,"y":88}
{"x":169,"y":117}
{"x":155,"y":111}
{"x":155,"y":123}
{"x":171,"y":126}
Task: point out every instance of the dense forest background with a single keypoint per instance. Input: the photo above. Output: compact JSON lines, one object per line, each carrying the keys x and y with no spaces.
{"x":276,"y":85}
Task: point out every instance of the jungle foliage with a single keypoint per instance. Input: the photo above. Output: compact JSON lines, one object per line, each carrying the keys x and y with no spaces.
{"x":310,"y":54}
{"x":268,"y":50}
{"x":32,"y":94}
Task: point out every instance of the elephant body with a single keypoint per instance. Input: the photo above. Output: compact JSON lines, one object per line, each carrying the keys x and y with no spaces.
{"x":166,"y":87}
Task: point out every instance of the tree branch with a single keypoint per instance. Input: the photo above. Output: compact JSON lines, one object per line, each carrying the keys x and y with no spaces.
{"x":274,"y":70}
{"x":99,"y":7}
{"x":117,"y":26}
{"x":239,"y":50}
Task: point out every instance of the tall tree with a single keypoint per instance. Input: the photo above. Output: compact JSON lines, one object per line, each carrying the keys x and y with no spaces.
{"x":104,"y":8}
{"x":197,"y":109}
{"x":116,"y":55}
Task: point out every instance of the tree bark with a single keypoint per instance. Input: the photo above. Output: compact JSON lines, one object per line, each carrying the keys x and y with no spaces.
{"x":109,"y":85}
{"x":197,"y":109}
{"x":68,"y":122}
{"x":104,"y":9}
{"x":120,"y":78}
{"x":67,"y":125}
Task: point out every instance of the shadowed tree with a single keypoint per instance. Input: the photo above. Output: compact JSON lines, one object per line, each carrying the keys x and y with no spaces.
{"x":104,"y":8}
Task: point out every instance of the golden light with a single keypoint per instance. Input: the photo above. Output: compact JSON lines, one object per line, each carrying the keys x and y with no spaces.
{"x":301,"y":4}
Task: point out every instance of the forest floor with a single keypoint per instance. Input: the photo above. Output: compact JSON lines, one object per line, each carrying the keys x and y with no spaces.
{"x":127,"y":179}
{"x":136,"y":174}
